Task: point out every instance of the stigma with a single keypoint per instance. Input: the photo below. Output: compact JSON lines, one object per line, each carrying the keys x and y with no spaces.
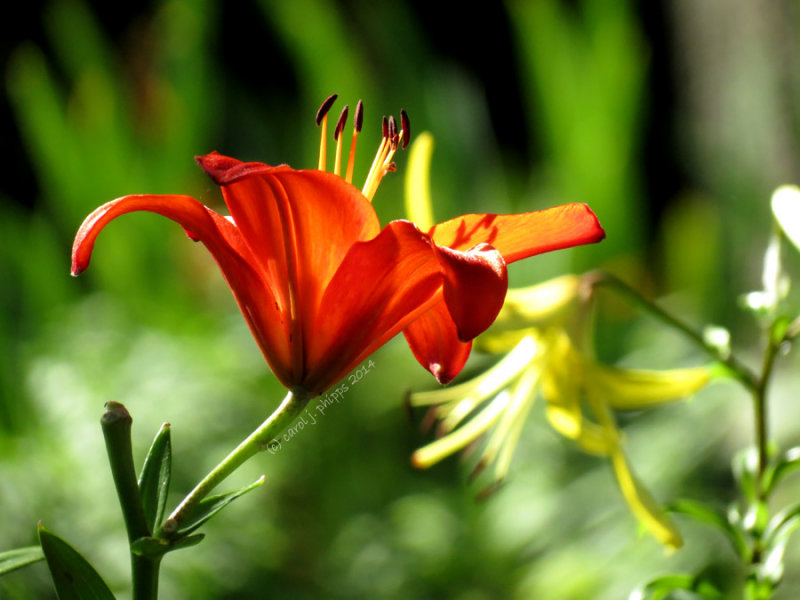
{"x":393,"y":137}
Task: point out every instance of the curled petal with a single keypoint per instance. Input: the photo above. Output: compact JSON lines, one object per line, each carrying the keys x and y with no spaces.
{"x":222,"y":238}
{"x":522,"y":235}
{"x":475,"y":285}
{"x":433,"y":339}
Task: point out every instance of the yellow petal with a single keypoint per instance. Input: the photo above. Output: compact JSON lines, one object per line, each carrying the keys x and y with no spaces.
{"x":540,"y":305}
{"x":524,"y":354}
{"x":632,"y":389}
{"x":506,"y":433}
{"x":419,"y":207}
{"x":641,"y":502}
{"x":458,"y":439}
{"x":643,"y":505}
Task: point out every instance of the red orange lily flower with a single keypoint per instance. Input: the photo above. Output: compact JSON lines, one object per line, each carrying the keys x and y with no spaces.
{"x":322,"y":286}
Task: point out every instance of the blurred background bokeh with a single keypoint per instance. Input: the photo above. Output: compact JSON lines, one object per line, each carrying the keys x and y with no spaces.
{"x":674,"y":120}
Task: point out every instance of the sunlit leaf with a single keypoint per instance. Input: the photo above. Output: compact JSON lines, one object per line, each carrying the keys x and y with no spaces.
{"x":20,"y":557}
{"x":776,"y":536}
{"x":745,"y":467}
{"x":705,"y":514}
{"x":155,"y":476}
{"x":73,"y":577}
{"x":787,"y":464}
{"x":786,"y":209}
{"x":208,"y":507}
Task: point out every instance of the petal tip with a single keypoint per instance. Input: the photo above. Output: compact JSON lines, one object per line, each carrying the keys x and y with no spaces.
{"x":442,"y":375}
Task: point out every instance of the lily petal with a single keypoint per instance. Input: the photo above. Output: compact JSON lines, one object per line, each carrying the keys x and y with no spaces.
{"x":299,"y":223}
{"x":637,"y":389}
{"x":475,"y":285}
{"x":381,"y":286}
{"x":223,"y":239}
{"x":433,"y":338}
{"x":522,"y":235}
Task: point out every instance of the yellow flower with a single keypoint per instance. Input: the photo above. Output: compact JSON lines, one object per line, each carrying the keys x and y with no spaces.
{"x":540,"y":359}
{"x":580,"y":395}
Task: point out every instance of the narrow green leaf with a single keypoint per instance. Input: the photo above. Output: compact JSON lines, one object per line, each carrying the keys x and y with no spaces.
{"x":745,"y":467}
{"x":155,"y":477}
{"x":20,"y":557}
{"x":151,"y":547}
{"x":776,"y":537}
{"x":208,"y":507}
{"x":73,"y":577}
{"x":788,"y":463}
{"x":705,"y":514}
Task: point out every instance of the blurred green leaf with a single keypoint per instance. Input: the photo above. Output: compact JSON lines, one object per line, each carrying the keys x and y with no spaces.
{"x":787,"y":464}
{"x":155,"y":477}
{"x":208,"y":507}
{"x":745,"y":467}
{"x":776,"y":537}
{"x":15,"y":559}
{"x":786,"y":209}
{"x":718,"y":520}
{"x":74,"y":578}
{"x":585,"y":67}
{"x":757,"y":589}
{"x":662,"y":587}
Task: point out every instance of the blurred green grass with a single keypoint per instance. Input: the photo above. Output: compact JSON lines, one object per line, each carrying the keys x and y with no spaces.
{"x":531,"y":104}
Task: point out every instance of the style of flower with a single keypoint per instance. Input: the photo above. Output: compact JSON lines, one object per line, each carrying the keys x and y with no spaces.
{"x":322,"y":285}
{"x":581,"y":396}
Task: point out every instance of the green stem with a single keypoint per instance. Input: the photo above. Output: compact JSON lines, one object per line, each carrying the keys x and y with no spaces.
{"x":292,"y":405}
{"x":760,"y":409}
{"x":737,"y":370}
{"x":116,"y":423}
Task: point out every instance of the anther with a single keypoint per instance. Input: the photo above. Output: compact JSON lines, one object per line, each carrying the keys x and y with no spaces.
{"x":322,"y":122}
{"x":359,"y":116}
{"x":385,"y":127}
{"x":358,"y":121}
{"x":405,"y":128}
{"x":337,"y":132}
{"x":340,"y":123}
{"x":325,"y":107}
{"x":392,"y":132}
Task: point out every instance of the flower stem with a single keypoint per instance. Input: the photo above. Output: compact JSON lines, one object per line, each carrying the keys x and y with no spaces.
{"x":292,"y":405}
{"x":116,"y":423}
{"x":737,"y":370}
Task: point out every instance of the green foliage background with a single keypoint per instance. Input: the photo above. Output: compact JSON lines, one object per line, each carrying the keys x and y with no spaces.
{"x":673,"y":120}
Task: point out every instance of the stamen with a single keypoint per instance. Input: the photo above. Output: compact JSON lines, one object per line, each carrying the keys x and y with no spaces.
{"x":322,"y":121}
{"x":325,"y":107}
{"x":337,"y":135}
{"x":405,"y":128}
{"x":358,"y":119}
{"x":375,"y":171}
{"x":382,"y":164}
{"x":393,"y":132}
